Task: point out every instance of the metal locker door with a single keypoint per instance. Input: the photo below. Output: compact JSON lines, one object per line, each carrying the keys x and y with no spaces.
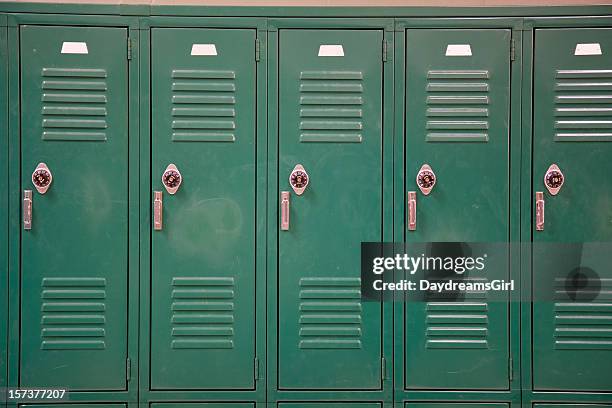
{"x":203,"y":249}
{"x":203,"y":405}
{"x":454,"y":405}
{"x":329,"y":124}
{"x":457,"y":114}
{"x":572,"y":280}
{"x":95,"y":405}
{"x":330,"y":404}
{"x":74,"y":166}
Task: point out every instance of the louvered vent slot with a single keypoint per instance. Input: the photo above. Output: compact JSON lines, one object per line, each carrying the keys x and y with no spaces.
{"x":583,"y":106}
{"x":581,"y":324}
{"x":203,"y":106}
{"x":74,"y":104}
{"x":73,"y":314}
{"x":203,"y":313}
{"x":330,"y":313}
{"x":461,"y":323}
{"x":457,"y":106}
{"x":331,"y":106}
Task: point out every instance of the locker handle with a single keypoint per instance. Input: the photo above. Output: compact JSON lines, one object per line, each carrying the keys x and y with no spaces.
{"x":27,"y":209}
{"x":411,"y":210}
{"x":285,"y":210}
{"x":539,"y":211}
{"x":158,"y":209}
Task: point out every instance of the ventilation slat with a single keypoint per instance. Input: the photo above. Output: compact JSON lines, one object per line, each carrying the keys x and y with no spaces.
{"x":74,"y":98}
{"x":203,"y":74}
{"x":330,"y":321}
{"x":73,"y":311}
{"x":203,"y":324}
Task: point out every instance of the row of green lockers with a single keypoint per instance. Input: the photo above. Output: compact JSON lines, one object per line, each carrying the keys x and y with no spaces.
{"x":159,"y":249}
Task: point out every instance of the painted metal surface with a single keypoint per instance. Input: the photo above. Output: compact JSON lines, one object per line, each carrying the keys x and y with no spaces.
{"x":333,"y":404}
{"x":323,"y":375}
{"x":572,"y":341}
{"x":203,"y":260}
{"x":203,"y":405}
{"x":74,"y":265}
{"x":457,"y":111}
{"x":330,"y":122}
{"x":74,"y":405}
{"x":4,"y":202}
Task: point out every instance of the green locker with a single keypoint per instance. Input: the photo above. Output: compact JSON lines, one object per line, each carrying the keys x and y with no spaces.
{"x":203,"y":405}
{"x":454,"y":404}
{"x":572,"y":309}
{"x":457,"y":178}
{"x":74,"y":237}
{"x":203,"y":245}
{"x":329,"y":404}
{"x":4,"y":201}
{"x":572,"y":405}
{"x":97,"y":405}
{"x":330,"y":181}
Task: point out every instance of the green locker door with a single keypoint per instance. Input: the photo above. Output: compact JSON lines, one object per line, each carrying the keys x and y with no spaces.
{"x":74,"y":259}
{"x":203,"y":257}
{"x":572,"y":329}
{"x":457,"y":114}
{"x":330,"y":405}
{"x":330,"y":123}
{"x":73,"y":406}
{"x":453,"y":405}
{"x":572,"y":406}
{"x":203,"y":405}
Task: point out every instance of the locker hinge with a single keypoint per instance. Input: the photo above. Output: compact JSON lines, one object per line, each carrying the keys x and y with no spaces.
{"x":383,"y":368}
{"x":510,"y":369}
{"x":256,"y":368}
{"x":128,"y":369}
{"x":384,"y":50}
{"x":129,"y":48}
{"x":257,"y":48}
{"x":512,"y":50}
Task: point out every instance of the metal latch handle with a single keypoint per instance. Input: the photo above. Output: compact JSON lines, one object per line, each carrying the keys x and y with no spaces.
{"x":158,"y":209}
{"x":27,"y":209}
{"x":539,"y":211}
{"x":412,"y":211}
{"x":285,"y":210}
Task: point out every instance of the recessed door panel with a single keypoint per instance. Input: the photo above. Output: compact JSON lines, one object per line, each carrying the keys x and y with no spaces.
{"x":74,"y":252}
{"x":457,"y":137}
{"x":203,"y":246}
{"x":330,"y":177}
{"x":572,"y":111}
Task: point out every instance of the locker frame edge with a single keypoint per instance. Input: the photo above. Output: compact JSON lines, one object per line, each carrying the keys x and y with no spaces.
{"x":4,"y":201}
